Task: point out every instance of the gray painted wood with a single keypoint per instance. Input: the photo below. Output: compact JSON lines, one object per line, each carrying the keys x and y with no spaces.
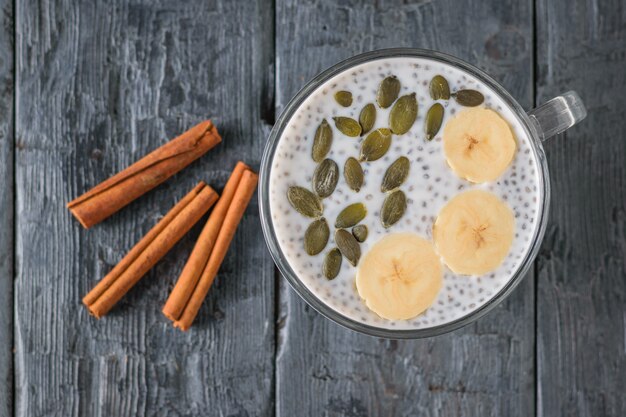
{"x":6,"y":207}
{"x":581,"y":302}
{"x":485,"y":369}
{"x":100,"y":84}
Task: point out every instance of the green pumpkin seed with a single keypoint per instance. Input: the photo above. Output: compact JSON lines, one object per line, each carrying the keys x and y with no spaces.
{"x":325,"y":178}
{"x":305,"y":202}
{"x":353,"y":174}
{"x":403,"y":114}
{"x":322,"y":141}
{"x":332,"y":264}
{"x":316,"y":237}
{"x":388,"y":91}
{"x":469,"y":98}
{"x":351,"y":215}
{"x":344,"y":98}
{"x":393,"y":209}
{"x":360,"y":232}
{"x":434,"y":118}
{"x":348,"y":126}
{"x":439,"y":88}
{"x":396,"y":174}
{"x":348,"y":246}
{"x":367,"y":118}
{"x":375,"y":145}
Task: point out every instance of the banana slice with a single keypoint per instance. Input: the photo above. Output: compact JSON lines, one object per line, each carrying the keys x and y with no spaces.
{"x":478,"y":144}
{"x":474,"y":232}
{"x":400,"y":276}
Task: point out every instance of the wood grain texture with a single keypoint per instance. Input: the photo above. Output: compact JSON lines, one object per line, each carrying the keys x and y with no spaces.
{"x":100,"y":84}
{"x":6,"y":206}
{"x":581,"y":303}
{"x":486,"y":369}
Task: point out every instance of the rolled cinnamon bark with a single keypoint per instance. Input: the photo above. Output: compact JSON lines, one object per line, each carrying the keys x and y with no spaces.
{"x":111,"y":195}
{"x":241,"y":198}
{"x":199,"y":257}
{"x":150,"y":249}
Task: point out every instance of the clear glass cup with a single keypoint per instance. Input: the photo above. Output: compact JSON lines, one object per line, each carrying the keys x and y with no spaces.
{"x":541,"y":123}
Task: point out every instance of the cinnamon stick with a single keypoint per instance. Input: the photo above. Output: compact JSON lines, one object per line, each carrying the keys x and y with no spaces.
{"x":111,"y":195}
{"x":233,"y":216}
{"x":150,"y":249}
{"x":199,"y":257}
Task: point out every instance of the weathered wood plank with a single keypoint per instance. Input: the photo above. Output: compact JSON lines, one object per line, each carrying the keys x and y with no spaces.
{"x":101,"y":83}
{"x":484,"y":369}
{"x":581,"y":278}
{"x":6,"y":206}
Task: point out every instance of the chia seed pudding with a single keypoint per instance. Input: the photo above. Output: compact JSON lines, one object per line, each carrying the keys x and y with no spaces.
{"x":430,"y":185}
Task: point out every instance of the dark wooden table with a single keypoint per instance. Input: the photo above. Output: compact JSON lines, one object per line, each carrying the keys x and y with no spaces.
{"x":88,"y":87}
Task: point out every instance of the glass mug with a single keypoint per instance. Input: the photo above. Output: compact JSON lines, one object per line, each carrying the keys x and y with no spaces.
{"x":541,"y":123}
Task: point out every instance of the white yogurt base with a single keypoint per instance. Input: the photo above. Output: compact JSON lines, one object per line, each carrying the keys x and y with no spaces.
{"x":430,"y":185}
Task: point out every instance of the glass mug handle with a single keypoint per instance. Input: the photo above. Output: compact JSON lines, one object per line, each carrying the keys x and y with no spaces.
{"x":557,"y":115}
